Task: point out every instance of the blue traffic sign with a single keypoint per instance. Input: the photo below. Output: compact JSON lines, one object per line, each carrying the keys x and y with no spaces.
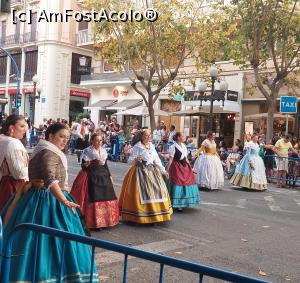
{"x":288,"y":104}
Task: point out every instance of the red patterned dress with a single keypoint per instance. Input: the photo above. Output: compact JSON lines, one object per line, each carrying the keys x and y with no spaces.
{"x":93,"y":190}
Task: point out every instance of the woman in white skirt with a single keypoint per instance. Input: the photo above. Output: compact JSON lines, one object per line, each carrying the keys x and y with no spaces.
{"x":208,"y":166}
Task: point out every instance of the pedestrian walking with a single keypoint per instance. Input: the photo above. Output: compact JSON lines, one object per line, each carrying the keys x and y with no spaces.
{"x":13,"y":157}
{"x":183,"y":188}
{"x":144,"y":196}
{"x":208,"y":166}
{"x":251,"y":172}
{"x":93,"y":187}
{"x":45,"y":201}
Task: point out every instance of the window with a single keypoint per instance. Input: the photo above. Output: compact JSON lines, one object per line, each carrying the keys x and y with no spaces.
{"x":3,"y":65}
{"x":108,"y":67}
{"x":18,"y":58}
{"x":83,"y":25}
{"x":3,"y":31}
{"x":30,"y":65}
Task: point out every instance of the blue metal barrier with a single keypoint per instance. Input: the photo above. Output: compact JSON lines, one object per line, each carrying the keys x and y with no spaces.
{"x":292,"y":163}
{"x":202,"y":270}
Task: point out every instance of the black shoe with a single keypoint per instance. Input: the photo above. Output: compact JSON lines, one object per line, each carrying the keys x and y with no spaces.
{"x":179,"y":210}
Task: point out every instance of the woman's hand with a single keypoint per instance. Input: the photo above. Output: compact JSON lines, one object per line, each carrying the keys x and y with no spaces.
{"x":251,"y":165}
{"x":138,"y":159}
{"x":70,"y":205}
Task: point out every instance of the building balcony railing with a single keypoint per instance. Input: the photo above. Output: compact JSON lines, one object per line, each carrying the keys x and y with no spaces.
{"x":84,"y":37}
{"x":16,"y":4}
{"x":16,"y":39}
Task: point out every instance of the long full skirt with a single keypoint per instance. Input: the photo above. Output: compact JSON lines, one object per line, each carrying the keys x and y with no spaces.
{"x":97,"y":214}
{"x":246,"y":177}
{"x":39,"y":206}
{"x":144,"y":196}
{"x":184,"y":191}
{"x":209,"y":171}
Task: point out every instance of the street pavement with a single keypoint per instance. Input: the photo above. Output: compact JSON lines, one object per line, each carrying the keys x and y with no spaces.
{"x":253,"y":233}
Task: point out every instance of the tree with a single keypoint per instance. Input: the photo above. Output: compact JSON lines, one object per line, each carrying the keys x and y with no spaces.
{"x":153,"y":52}
{"x":267,"y":40}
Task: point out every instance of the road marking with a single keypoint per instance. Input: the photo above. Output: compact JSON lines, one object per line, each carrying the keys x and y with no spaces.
{"x":154,"y":247}
{"x":241,"y":203}
{"x":272,"y":204}
{"x":297,"y":201}
{"x":216,"y":204}
{"x":184,"y":236}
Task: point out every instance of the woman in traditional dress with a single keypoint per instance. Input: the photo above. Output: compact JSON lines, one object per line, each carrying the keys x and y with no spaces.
{"x":144,"y":196}
{"x":45,"y":201}
{"x":93,"y":187}
{"x":183,"y":188}
{"x":208,"y":166}
{"x":13,"y":157}
{"x":251,"y":172}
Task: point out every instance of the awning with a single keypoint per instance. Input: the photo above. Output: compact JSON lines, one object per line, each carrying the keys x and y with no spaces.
{"x":3,"y":100}
{"x":143,"y":111}
{"x":126,"y":104}
{"x":265,"y":116}
{"x":101,"y":104}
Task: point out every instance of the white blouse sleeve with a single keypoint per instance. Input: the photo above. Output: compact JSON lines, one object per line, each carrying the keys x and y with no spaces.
{"x":172,"y":151}
{"x":133,"y":154}
{"x":17,"y":161}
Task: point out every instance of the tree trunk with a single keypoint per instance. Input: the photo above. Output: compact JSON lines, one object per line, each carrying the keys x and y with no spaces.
{"x":151,"y":113}
{"x":270,"y":121}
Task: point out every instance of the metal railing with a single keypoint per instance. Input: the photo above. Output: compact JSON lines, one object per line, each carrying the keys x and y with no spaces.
{"x":16,"y":39}
{"x":84,"y":37}
{"x":202,"y":270}
{"x":293,"y":169}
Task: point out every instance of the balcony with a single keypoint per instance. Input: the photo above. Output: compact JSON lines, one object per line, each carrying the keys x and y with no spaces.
{"x":9,"y":40}
{"x":16,"y":4}
{"x":17,"y":39}
{"x":30,"y":37}
{"x":84,"y":37}
{"x":32,"y":1}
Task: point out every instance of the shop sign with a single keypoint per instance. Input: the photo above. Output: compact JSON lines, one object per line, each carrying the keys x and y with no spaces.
{"x":80,"y":93}
{"x":119,"y":90}
{"x":14,"y":91}
{"x":232,"y":95}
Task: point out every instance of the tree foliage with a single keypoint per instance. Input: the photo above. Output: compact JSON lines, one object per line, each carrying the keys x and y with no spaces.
{"x":268,"y":41}
{"x":153,"y":53}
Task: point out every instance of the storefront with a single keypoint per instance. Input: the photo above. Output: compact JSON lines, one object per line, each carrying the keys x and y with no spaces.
{"x":79,"y":99}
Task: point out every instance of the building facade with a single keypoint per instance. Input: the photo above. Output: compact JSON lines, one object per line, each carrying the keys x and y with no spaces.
{"x":48,"y":50}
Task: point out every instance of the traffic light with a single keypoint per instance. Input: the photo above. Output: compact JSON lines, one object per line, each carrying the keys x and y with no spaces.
{"x":4,"y":6}
{"x":19,"y":100}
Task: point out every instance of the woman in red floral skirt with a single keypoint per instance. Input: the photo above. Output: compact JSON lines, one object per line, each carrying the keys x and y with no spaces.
{"x":93,"y":187}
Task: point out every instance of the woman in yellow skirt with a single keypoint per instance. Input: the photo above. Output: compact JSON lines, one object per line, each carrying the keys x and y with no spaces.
{"x":144,"y":196}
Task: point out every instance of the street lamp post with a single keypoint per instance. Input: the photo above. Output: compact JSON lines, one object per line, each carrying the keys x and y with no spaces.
{"x":35,"y":80}
{"x":215,"y":95}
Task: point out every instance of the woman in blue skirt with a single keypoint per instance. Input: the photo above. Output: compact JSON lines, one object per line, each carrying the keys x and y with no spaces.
{"x":46,"y":201}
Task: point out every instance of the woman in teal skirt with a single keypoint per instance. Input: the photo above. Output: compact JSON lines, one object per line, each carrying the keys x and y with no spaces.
{"x":46,"y":201}
{"x":183,"y":188}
